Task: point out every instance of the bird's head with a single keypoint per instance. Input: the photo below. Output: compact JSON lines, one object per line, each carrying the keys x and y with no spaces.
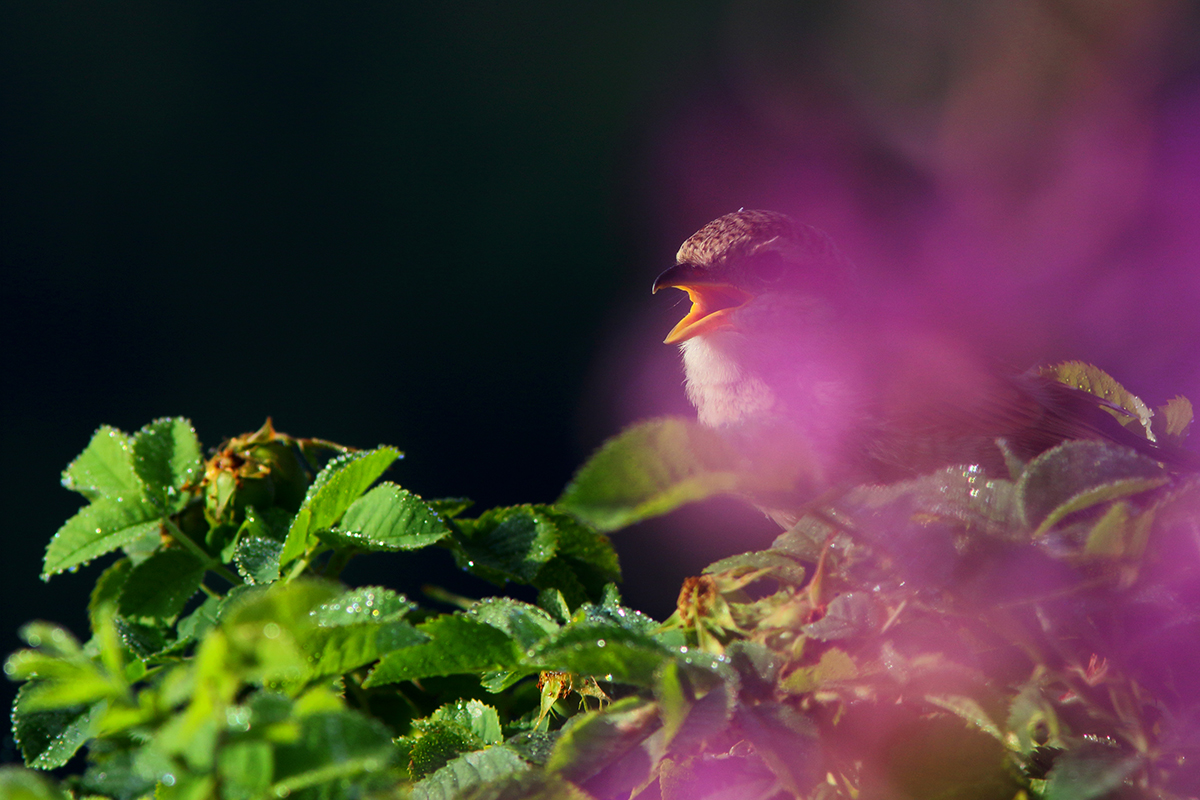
{"x":738,"y":266}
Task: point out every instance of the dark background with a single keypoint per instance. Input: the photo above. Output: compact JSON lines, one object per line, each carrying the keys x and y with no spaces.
{"x":435,"y":225}
{"x":378,"y":223}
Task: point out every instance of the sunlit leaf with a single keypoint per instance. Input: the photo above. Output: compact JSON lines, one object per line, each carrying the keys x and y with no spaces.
{"x":104,"y":468}
{"x":389,"y":518}
{"x":1173,"y":420}
{"x":167,"y":459}
{"x":1094,"y":380}
{"x":97,"y":529}
{"x":604,"y":651}
{"x":333,"y":490}
{"x":23,"y":784}
{"x":49,"y":737}
{"x":457,"y":644}
{"x":526,"y":624}
{"x":647,"y":470}
{"x":834,"y":666}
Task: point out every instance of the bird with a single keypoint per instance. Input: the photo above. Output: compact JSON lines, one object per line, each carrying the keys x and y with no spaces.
{"x":784,"y":356}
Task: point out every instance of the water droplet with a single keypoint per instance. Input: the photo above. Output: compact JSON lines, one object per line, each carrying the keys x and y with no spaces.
{"x":601,"y":643}
{"x":167,"y":779}
{"x":608,"y":677}
{"x":271,"y":630}
{"x":683,"y":648}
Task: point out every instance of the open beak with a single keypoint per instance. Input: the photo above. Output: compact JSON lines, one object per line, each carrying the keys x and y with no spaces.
{"x":713,"y":301}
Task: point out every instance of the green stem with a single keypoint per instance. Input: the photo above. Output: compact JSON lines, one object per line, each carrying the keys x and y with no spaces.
{"x":209,"y":562}
{"x":301,"y":565}
{"x":338,"y":562}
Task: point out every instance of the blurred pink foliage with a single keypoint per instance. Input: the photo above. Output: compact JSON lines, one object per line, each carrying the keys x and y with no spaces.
{"x":1024,"y":173}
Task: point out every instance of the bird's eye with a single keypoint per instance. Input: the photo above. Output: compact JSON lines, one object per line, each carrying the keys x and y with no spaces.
{"x":767,"y":266}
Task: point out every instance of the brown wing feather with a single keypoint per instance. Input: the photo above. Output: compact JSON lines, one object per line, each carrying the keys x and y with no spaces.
{"x":1031,"y":412}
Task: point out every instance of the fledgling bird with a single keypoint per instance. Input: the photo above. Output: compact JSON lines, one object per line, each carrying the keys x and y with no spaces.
{"x":782,"y":355}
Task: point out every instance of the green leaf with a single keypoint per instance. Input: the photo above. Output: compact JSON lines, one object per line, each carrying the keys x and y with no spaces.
{"x":104,"y":468}
{"x":537,"y":545}
{"x":438,"y":745}
{"x":257,"y":558}
{"x":389,"y":518}
{"x":166,"y":457}
{"x":48,"y":738}
{"x":197,"y":623}
{"x":23,"y":784}
{"x":590,"y":742}
{"x":1079,"y":474}
{"x":760,"y":564}
{"x":362,"y":605}
{"x":691,"y":712}
{"x":59,"y":681}
{"x":97,"y":529}
{"x":470,"y":772}
{"x":458,"y":644}
{"x":479,"y":718}
{"x":337,"y":650}
{"x":161,"y":585}
{"x":332,"y":746}
{"x":605,"y":651}
{"x":1172,"y":421}
{"x":450,"y":507}
{"x":1094,"y":380}
{"x":969,"y":709}
{"x":116,"y":774}
{"x":334,"y":489}
{"x":647,"y":470}
{"x":849,"y":614}
{"x":834,"y":666}
{"x":246,"y":769}
{"x":1088,"y":773}
{"x":588,"y":555}
{"x":506,"y":544}
{"x":786,"y":740}
{"x":525,"y":624}
{"x":107,"y":591}
{"x":962,"y":495}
